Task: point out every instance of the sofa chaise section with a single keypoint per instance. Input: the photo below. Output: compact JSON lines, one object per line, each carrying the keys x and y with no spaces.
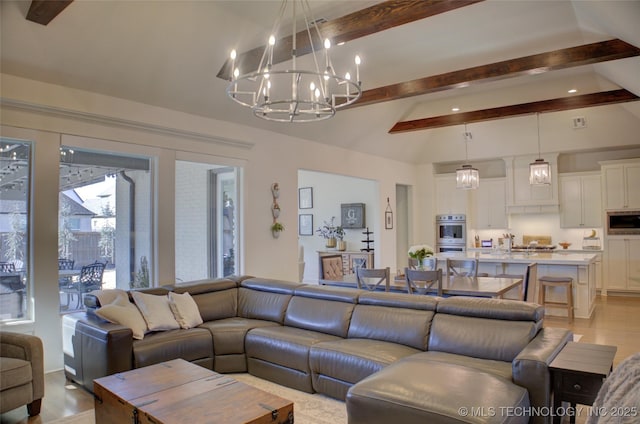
{"x":471,"y":361}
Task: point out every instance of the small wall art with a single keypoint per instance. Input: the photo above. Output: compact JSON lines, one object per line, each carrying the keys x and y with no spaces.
{"x":305,"y":198}
{"x":305,"y":224}
{"x":353,"y":215}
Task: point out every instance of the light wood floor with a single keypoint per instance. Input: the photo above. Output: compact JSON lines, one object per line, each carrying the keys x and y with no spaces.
{"x":616,"y":321}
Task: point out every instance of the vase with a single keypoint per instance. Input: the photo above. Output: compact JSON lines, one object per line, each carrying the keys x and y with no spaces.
{"x":342,"y":245}
{"x":427,"y":264}
{"x":331,"y":242}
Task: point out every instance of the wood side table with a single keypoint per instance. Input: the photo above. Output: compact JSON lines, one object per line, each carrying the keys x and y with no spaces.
{"x":578,"y":373}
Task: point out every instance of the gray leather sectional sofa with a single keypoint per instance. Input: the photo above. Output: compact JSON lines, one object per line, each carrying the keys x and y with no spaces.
{"x":390,"y":356}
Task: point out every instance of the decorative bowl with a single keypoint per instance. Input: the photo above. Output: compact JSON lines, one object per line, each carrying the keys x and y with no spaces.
{"x":564,"y":244}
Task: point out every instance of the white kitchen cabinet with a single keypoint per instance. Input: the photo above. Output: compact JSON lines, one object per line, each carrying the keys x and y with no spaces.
{"x":490,"y":204}
{"x":450,"y":199}
{"x":580,"y":200}
{"x":621,"y":184}
{"x":523,"y":197}
{"x":622,"y":260}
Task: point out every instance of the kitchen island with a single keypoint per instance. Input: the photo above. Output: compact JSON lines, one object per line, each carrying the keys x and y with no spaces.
{"x":579,"y":266}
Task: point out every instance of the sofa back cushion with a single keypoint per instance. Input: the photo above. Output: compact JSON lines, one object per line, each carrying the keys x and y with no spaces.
{"x":405,"y":326}
{"x":264,"y":298}
{"x":216,"y":299}
{"x":484,"y":328}
{"x":256,"y":304}
{"x":321,"y":308}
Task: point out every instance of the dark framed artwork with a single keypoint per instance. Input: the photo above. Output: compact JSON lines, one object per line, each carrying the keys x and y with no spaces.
{"x":388,"y":220}
{"x":305,"y":224}
{"x":353,"y":215}
{"x":305,"y":198}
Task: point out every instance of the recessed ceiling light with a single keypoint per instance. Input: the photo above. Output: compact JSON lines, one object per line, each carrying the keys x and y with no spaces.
{"x":455,"y":109}
{"x":573,"y":90}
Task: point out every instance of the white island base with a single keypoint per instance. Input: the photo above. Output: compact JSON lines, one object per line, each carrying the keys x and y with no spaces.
{"x":581,"y":267}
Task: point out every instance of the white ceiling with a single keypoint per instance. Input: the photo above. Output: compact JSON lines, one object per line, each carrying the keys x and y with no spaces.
{"x":167,"y":53}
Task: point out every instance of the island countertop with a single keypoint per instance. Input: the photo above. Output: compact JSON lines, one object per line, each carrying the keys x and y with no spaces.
{"x":543,"y":258}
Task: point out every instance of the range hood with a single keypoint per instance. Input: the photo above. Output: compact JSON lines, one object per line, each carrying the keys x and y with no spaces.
{"x":523,"y":197}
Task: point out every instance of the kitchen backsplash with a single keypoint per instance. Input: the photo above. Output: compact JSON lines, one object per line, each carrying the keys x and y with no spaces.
{"x":537,"y":224}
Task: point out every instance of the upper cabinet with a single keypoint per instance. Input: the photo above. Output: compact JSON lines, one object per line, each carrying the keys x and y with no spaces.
{"x":523,"y":197}
{"x":580,"y":200}
{"x":490,"y":204}
{"x":450,"y":199}
{"x":621,"y":184}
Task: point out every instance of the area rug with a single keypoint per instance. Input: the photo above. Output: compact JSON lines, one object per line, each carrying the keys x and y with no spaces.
{"x":308,"y":408}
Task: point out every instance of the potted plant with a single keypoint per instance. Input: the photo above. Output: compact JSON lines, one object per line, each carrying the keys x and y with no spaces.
{"x":420,"y":252}
{"x":276,"y":229}
{"x":340,"y":233}
{"x":328,"y":232}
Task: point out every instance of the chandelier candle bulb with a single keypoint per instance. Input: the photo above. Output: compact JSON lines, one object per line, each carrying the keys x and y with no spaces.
{"x":357,"y":60}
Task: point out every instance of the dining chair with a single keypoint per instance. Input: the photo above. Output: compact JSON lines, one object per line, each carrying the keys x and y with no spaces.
{"x":530,"y":274}
{"x":463,"y":267}
{"x":331,"y":267}
{"x":423,"y":282}
{"x":90,"y":279}
{"x":65,"y":263}
{"x":372,"y":279}
{"x":7,"y":267}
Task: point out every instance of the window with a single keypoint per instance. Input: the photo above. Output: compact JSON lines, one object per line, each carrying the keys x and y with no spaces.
{"x":15,"y":185}
{"x":206,"y":238}
{"x":104,"y":217}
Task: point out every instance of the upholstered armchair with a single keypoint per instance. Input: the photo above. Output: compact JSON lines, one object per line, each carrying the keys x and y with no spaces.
{"x":21,"y":372}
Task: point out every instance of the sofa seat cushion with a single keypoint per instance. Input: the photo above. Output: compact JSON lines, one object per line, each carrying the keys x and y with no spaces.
{"x":416,"y":391}
{"x":229,"y":333}
{"x":191,"y":345}
{"x":499,"y":368}
{"x":351,"y":360}
{"x":284,"y":346}
{"x":14,"y":372}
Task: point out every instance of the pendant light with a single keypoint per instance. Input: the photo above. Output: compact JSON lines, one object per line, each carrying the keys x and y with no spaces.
{"x":540,"y":170}
{"x":467,"y":177}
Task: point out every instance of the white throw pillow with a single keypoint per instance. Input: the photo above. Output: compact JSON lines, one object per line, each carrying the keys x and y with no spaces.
{"x":185,"y":310}
{"x":156,"y":311}
{"x":124,"y":313}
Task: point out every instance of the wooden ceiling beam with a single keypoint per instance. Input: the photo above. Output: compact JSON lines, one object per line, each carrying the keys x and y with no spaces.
{"x":43,"y":11}
{"x":553,"y":105}
{"x":529,"y":65}
{"x":364,"y":22}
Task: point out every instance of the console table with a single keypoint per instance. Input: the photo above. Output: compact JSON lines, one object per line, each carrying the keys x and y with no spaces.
{"x":350,"y":260}
{"x":578,"y":373}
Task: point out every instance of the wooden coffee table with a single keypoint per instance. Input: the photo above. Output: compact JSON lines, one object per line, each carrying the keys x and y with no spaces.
{"x":179,"y":391}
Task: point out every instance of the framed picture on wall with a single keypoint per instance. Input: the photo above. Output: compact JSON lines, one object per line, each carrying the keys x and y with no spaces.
{"x":352,"y":215}
{"x":305,"y":198}
{"x":305,"y":224}
{"x":388,"y":220}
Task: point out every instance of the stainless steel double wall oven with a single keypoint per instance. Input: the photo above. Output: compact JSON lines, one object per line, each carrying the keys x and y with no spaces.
{"x":451,"y":233}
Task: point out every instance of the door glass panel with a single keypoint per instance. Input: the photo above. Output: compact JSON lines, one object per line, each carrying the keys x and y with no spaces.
{"x":104,"y":217}
{"x":206,"y":224}
{"x":15,"y":184}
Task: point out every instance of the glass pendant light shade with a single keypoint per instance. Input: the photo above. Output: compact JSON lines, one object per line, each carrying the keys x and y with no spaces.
{"x":467,"y":177}
{"x":540,"y":170}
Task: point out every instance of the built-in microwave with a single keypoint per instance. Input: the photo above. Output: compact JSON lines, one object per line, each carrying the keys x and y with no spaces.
{"x":623,"y":222}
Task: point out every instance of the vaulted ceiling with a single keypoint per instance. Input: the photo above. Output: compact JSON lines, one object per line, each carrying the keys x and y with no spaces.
{"x":491,"y":59}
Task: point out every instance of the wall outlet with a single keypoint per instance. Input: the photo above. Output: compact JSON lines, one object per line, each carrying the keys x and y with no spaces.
{"x":579,"y":122}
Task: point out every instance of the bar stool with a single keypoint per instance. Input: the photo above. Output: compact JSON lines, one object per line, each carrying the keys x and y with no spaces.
{"x":566,"y":283}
